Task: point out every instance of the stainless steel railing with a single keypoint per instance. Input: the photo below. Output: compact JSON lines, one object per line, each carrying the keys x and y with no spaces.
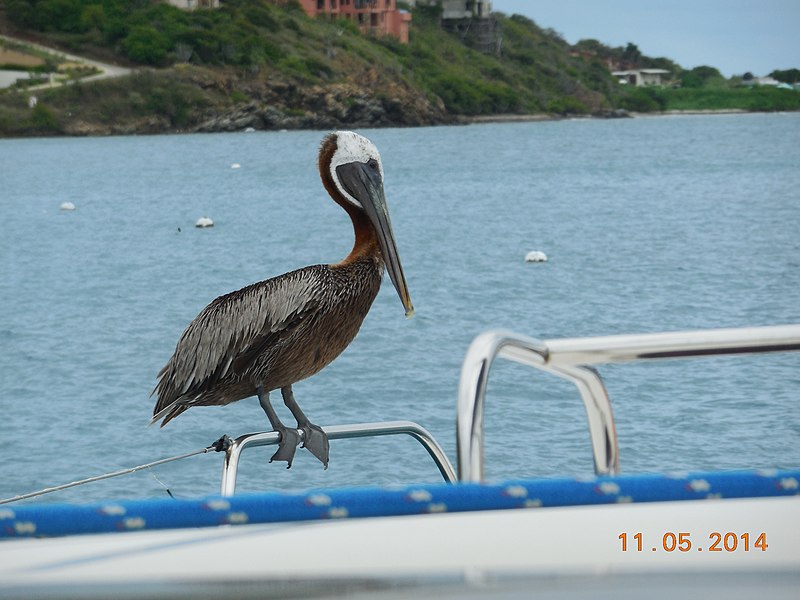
{"x":359,"y":430}
{"x":571,"y":359}
{"x":568,"y":358}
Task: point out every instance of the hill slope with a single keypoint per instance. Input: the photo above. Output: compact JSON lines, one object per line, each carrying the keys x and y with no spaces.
{"x":253,"y":64}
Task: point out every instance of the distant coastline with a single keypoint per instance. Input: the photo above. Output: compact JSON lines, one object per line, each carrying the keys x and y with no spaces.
{"x":312,"y":77}
{"x":512,"y":118}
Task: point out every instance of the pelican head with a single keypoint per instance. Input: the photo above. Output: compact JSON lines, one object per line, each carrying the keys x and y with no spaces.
{"x":355,"y":169}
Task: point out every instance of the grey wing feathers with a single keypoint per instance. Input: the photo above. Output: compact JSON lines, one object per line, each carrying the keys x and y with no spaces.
{"x":231,"y":331}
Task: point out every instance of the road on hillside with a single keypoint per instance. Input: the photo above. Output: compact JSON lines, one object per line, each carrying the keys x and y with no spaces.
{"x":106,"y":70}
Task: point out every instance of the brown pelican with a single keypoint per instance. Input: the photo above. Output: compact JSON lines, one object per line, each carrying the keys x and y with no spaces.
{"x":270,"y":334}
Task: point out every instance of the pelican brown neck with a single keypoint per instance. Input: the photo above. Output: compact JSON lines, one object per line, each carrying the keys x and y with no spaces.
{"x":366,"y":239}
{"x":353,"y":175}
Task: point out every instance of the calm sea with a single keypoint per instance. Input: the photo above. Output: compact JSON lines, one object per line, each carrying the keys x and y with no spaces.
{"x":650,"y":224}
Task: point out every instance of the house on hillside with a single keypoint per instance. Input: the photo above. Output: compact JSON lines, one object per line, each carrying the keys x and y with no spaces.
{"x":194,"y":4}
{"x":641,"y":77}
{"x":473,"y":21}
{"x":458,"y":9}
{"x":381,"y":17}
{"x":466,"y":9}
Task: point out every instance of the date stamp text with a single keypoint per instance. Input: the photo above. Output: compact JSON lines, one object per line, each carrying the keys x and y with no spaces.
{"x":682,"y":541}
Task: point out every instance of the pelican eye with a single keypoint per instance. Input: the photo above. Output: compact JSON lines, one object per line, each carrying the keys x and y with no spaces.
{"x":372,"y":164}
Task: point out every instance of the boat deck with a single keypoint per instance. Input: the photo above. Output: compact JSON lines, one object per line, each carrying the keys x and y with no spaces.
{"x":717,"y":534}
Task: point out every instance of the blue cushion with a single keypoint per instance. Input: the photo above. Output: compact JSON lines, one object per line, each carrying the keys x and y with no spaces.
{"x":41,"y":520}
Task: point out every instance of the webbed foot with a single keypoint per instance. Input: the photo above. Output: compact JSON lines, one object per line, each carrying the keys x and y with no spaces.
{"x":286,"y":446}
{"x":316,"y":441}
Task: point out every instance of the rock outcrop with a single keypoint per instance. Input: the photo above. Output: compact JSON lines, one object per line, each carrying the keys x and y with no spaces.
{"x":218,"y":100}
{"x":287,"y":106}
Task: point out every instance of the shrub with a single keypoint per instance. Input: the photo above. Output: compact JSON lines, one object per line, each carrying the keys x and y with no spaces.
{"x":93,"y":17}
{"x":43,"y":119}
{"x":700,"y":77}
{"x":459,"y":94}
{"x":640,"y":99}
{"x":787,"y":76}
{"x":238,"y":97}
{"x":567,"y":105}
{"x":259,"y":16}
{"x":147,"y":45}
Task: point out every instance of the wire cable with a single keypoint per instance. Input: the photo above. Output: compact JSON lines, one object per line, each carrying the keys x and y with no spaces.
{"x":221,"y":445}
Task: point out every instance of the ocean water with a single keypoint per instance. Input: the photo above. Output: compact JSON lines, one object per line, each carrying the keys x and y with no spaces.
{"x":650,"y":224}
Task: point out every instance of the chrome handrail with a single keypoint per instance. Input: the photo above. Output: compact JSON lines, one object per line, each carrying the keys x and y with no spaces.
{"x":357,"y":430}
{"x":570,"y":358}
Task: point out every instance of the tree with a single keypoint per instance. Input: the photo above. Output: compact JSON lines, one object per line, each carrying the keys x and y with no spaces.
{"x":787,"y":76}
{"x":592,"y":46}
{"x":632,"y":54}
{"x":146,"y":44}
{"x":60,"y":15}
{"x":93,"y":17}
{"x":22,"y":13}
{"x":700,"y":77}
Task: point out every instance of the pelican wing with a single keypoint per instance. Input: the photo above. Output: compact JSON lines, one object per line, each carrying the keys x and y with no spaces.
{"x":228,"y":334}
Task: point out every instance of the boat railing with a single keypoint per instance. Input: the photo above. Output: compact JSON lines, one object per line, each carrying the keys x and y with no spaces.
{"x":572,"y":359}
{"x":357,"y":430}
{"x":234,"y":448}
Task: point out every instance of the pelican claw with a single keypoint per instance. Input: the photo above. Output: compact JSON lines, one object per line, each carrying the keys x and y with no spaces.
{"x":286,"y":446}
{"x":316,"y":441}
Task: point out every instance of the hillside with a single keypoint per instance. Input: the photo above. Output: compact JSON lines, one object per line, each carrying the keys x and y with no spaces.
{"x":253,"y":64}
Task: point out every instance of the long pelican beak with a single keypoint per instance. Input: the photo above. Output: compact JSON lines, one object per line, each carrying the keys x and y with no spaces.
{"x":365,"y":184}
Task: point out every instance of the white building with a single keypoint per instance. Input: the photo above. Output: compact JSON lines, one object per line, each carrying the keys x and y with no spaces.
{"x":766,"y":81}
{"x":465,"y":9}
{"x":194,"y":4}
{"x":641,"y":77}
{"x":459,"y":9}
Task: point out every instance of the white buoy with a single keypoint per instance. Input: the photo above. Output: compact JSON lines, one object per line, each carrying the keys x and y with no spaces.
{"x":204,"y":222}
{"x":536,"y":256}
{"x":67,"y":206}
{"x":236,"y":166}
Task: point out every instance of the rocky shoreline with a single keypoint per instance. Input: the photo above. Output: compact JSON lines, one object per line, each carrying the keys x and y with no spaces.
{"x":362,"y":113}
{"x":224,"y":101}
{"x":337,"y":105}
{"x":270,"y":104}
{"x":227,"y":100}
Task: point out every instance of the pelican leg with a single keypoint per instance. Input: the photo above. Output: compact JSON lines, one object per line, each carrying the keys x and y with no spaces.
{"x":316,"y":440}
{"x":289,"y":437}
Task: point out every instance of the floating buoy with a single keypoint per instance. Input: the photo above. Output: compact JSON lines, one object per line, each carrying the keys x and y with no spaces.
{"x":67,"y":206}
{"x":204,"y":222}
{"x":250,"y":130}
{"x":236,"y":166}
{"x":536,"y":256}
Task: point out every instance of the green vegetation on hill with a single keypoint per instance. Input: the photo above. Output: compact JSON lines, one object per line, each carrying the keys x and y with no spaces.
{"x":765,"y":99}
{"x":787,"y":76}
{"x":251,"y":63}
{"x":534,"y":71}
{"x":243,"y":32}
